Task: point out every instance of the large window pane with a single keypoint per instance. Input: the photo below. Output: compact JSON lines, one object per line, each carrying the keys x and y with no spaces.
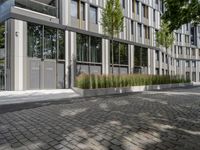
{"x":82,"y":47}
{"x":93,"y":14}
{"x":123,"y":48}
{"x":35,"y":40}
{"x":96,"y":52}
{"x":2,"y":36}
{"x":61,"y":44}
{"x":137,"y":58}
{"x":50,"y":43}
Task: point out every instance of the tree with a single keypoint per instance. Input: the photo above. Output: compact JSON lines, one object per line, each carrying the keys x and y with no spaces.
{"x":180,"y":12}
{"x":165,"y":37}
{"x":112,"y":22}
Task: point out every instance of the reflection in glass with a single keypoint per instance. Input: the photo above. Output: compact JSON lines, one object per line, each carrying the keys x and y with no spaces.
{"x":82,"y":47}
{"x":34,"y":40}
{"x":96,"y":52}
{"x":74,"y":8}
{"x":61,"y":44}
{"x":50,"y":43}
{"x":93,"y":14}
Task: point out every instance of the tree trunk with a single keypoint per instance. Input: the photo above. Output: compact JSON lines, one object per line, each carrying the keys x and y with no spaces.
{"x":112,"y":49}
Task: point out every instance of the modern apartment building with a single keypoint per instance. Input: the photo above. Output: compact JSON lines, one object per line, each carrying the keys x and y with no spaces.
{"x":49,"y":42}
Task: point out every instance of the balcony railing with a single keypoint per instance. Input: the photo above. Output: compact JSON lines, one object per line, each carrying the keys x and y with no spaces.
{"x":33,"y":5}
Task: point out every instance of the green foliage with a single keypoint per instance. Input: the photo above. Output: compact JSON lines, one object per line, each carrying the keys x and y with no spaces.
{"x":85,"y":81}
{"x":112,"y":22}
{"x":2,"y":36}
{"x":179,"y":12}
{"x":165,"y":37}
{"x":112,"y":18}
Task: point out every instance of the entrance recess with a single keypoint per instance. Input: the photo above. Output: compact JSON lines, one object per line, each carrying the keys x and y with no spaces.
{"x":46,"y":57}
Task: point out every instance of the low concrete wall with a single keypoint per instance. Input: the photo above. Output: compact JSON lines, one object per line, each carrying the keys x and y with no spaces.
{"x":110,"y":91}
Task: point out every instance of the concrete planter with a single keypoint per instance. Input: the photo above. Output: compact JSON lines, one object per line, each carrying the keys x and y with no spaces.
{"x":110,"y":91}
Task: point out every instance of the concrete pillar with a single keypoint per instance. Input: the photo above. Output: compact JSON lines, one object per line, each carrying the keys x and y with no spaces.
{"x":67,"y":61}
{"x":105,"y":56}
{"x":17,"y":54}
{"x":132,"y":58}
{"x":72,"y":47}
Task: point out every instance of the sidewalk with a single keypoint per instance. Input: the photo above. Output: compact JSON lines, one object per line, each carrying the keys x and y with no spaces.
{"x":15,"y":97}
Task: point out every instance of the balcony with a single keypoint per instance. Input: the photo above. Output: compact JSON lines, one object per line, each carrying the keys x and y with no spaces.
{"x":48,"y":7}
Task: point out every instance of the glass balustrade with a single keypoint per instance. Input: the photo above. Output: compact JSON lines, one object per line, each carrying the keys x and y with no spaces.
{"x":41,"y":6}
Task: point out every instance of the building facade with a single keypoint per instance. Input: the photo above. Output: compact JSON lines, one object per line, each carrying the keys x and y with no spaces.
{"x":47,"y":43}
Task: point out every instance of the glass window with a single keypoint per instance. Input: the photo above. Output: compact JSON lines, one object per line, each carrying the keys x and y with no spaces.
{"x":83,"y":10}
{"x":132,"y":27}
{"x":123,"y":3}
{"x":138,"y":7}
{"x":187,"y":64}
{"x":82,"y":47}
{"x":2,"y":36}
{"x":141,"y":56}
{"x":96,"y":49}
{"x":93,"y":14}
{"x":140,"y":29}
{"x":89,"y":49}
{"x":74,"y":8}
{"x":123,"y":51}
{"x":35,"y":34}
{"x":61,"y":44}
{"x":120,"y":51}
{"x":50,"y":43}
{"x":157,"y":55}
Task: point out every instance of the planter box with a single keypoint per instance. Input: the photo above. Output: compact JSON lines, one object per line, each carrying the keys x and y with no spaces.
{"x":110,"y":91}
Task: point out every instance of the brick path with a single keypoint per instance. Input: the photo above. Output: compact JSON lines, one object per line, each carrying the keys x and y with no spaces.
{"x":168,"y":120}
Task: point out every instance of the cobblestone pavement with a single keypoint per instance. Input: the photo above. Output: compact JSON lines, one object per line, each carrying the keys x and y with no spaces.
{"x":166,"y":120}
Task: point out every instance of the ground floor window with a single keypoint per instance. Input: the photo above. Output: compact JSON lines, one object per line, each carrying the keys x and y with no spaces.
{"x":2,"y":56}
{"x":187,"y":75}
{"x":89,"y":54}
{"x":194,"y":76}
{"x":141,"y":59}
{"x":119,"y":58}
{"x":157,"y":71}
{"x":45,"y":42}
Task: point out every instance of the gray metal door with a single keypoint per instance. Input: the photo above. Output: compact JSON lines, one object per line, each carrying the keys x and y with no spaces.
{"x":49,"y":74}
{"x":34,"y":74}
{"x":41,"y":74}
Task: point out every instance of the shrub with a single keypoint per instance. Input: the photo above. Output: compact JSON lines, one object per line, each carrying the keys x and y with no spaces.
{"x":86,"y":81}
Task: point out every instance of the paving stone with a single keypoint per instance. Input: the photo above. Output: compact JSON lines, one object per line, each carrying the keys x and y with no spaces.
{"x":141,"y":121}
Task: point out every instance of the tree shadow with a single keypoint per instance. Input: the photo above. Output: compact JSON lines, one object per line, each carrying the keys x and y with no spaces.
{"x":130,"y":122}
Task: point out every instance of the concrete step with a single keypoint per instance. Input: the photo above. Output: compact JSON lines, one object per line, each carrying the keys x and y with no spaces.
{"x":16,"y":97}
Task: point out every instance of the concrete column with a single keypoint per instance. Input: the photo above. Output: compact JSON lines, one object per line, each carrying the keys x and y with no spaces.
{"x":65,"y":5}
{"x":16,"y":44}
{"x":73,"y":48}
{"x":149,"y":61}
{"x":67,"y":60}
{"x":132,"y":54}
{"x":105,"y":56}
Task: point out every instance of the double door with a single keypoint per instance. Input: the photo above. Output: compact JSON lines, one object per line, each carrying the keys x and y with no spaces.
{"x":45,"y":74}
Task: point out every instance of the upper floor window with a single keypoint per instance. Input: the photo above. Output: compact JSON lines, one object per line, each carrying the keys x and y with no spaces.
{"x":187,"y":38}
{"x":193,"y":52}
{"x":74,"y":8}
{"x":123,"y":3}
{"x":154,"y":15}
{"x":93,"y":14}
{"x":156,"y":1}
{"x":83,"y":10}
{"x":145,"y":11}
{"x":140,"y":29}
{"x":138,"y":7}
{"x":146,"y":32}
{"x":132,"y":27}
{"x":157,"y":55}
{"x":133,"y":6}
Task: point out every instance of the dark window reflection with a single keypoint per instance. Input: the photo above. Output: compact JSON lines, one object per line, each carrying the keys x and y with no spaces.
{"x":35,"y":40}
